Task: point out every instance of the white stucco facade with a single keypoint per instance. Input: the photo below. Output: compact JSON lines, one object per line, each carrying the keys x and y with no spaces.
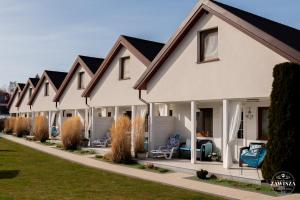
{"x":44,"y":103}
{"x":244,"y":69}
{"x":71,"y":97}
{"x":110,"y":91}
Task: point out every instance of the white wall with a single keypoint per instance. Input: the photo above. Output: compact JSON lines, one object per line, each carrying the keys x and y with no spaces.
{"x":42,"y":102}
{"x":71,"y":97}
{"x":24,"y":107}
{"x":13,"y":108}
{"x":162,"y":129}
{"x":102,"y":125}
{"x":110,"y":91}
{"x":244,"y":69}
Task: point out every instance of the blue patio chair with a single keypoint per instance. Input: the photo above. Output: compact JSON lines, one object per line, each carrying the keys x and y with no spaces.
{"x":54,"y":131}
{"x":168,"y":150}
{"x":253,"y":155}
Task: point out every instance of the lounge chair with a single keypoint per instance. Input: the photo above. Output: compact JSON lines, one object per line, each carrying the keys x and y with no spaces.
{"x":168,"y":150}
{"x":102,"y":142}
{"x":253,"y":155}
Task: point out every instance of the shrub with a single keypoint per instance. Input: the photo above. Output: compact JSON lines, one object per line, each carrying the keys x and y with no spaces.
{"x":22,"y":127}
{"x":284,"y":126}
{"x":120,"y":146}
{"x":71,"y":133}
{"x":41,"y":129}
{"x":202,"y":174}
{"x":139,"y":130}
{"x":9,"y":125}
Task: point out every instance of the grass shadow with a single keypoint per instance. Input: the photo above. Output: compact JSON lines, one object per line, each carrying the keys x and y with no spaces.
{"x":8,"y":174}
{"x":7,"y":150}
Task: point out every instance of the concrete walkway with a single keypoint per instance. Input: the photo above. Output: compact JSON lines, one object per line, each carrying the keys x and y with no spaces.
{"x":173,"y":179}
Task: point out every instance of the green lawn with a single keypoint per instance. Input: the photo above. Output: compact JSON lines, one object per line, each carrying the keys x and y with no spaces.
{"x":29,"y":174}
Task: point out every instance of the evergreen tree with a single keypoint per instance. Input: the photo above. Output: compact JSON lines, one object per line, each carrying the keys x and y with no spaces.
{"x":283,"y":146}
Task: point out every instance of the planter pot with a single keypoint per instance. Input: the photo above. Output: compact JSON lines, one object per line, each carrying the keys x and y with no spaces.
{"x":141,"y":156}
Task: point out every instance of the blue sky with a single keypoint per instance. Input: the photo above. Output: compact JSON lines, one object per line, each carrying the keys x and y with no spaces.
{"x":37,"y":35}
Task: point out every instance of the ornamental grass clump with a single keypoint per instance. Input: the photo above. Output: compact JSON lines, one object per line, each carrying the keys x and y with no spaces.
{"x":120,"y":146}
{"x":41,"y":129}
{"x":71,"y":133}
{"x":9,"y":125}
{"x":139,"y":130}
{"x":22,"y":127}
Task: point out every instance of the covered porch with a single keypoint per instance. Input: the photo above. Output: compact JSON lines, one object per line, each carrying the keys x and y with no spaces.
{"x":210,"y":120}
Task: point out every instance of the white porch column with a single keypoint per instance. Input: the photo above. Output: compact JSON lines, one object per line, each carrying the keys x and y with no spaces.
{"x":59,"y":120}
{"x":116,"y":114}
{"x":133,"y":115}
{"x":225,"y":128}
{"x":193,"y":133}
{"x":49,"y":122}
{"x":86,"y":122}
{"x":92,"y":123}
{"x":76,"y":113}
{"x":104,"y":112}
{"x":150,"y":124}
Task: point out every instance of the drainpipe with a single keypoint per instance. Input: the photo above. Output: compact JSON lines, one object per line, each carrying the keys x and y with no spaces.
{"x":148,"y":110}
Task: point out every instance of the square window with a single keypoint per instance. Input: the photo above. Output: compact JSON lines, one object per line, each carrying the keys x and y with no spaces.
{"x":208,"y":45}
{"x":124,"y":68}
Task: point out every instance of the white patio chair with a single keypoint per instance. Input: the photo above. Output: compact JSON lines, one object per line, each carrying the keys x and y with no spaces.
{"x":168,"y":150}
{"x":102,"y":142}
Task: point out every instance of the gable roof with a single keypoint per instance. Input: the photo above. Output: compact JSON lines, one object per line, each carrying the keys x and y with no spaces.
{"x":90,"y":64}
{"x":280,"y":38}
{"x":144,"y":50}
{"x":31,"y":81}
{"x":55,"y":78}
{"x":34,"y":81}
{"x":19,"y":88}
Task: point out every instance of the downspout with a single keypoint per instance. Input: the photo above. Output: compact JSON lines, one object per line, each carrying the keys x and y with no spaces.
{"x":148,"y":111}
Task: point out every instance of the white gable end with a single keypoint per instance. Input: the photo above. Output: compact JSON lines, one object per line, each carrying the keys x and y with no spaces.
{"x":71,"y":97}
{"x":110,"y":91}
{"x":244,"y":69}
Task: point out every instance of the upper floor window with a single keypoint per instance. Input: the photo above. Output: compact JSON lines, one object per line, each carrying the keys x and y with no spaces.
{"x":263,"y":123}
{"x":124,"y":68}
{"x":205,"y":122}
{"x":208,"y":45}
{"x":46,"y":89}
{"x":81,"y":80}
{"x":30,"y":92}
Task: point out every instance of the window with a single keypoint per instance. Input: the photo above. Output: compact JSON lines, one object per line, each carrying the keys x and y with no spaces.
{"x":124,"y":68}
{"x":30,"y":92}
{"x":69,"y":115}
{"x":46,"y":89}
{"x":240,"y":134}
{"x":170,"y":113}
{"x":263,"y":123}
{"x":208,"y":45}
{"x":81,"y":80}
{"x":205,"y":122}
{"x":108,"y":114}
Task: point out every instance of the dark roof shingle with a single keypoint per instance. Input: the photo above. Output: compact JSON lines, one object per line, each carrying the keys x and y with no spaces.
{"x":148,"y":48}
{"x":285,"y":34}
{"x":92,"y":63}
{"x":34,"y":81}
{"x":56,"y":77}
{"x":21,"y":85}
